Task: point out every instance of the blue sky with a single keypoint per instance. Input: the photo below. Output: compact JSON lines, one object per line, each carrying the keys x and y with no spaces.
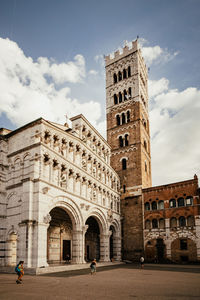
{"x":60,"y":30}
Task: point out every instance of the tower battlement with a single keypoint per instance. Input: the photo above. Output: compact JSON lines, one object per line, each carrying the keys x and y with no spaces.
{"x":125,"y":51}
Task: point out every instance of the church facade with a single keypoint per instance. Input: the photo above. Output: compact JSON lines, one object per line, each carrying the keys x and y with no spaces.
{"x":68,"y":194}
{"x":59,"y":196}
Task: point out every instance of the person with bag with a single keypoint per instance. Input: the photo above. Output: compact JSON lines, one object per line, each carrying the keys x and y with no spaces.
{"x":19,"y":269}
{"x":93,"y":267}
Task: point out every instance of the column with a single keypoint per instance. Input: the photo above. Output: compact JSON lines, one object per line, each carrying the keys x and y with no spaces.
{"x":77,"y":247}
{"x":117,"y":247}
{"x":104,"y":247}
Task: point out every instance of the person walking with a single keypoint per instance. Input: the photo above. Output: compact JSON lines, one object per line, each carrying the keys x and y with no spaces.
{"x":93,"y":267}
{"x":20,"y":271}
{"x":142,"y":262}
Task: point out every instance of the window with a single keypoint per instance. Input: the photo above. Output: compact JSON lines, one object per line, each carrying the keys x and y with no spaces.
{"x":189,"y":200}
{"x":126,"y":139}
{"x":119,"y":76}
{"x":124,"y":74}
{"x":190,"y":221}
{"x":120,"y":97}
{"x":172,"y":203}
{"x":118,"y":119}
{"x":123,"y":118}
{"x":147,"y":206}
{"x":154,"y":205}
{"x":147,"y":224}
{"x":181,"y":202}
{"x":124,"y":188}
{"x":145,"y":166}
{"x":129,"y":71}
{"x":183,"y":244}
{"x":129,"y":91}
{"x":124,"y":164}
{"x":115,"y":78}
{"x":145,"y":145}
{"x":115,"y":99}
{"x":125,"y":95}
{"x":121,"y":141}
{"x":182,"y":221}
{"x":161,"y":223}
{"x":173,"y":223}
{"x":128,"y":116}
{"x":161,"y":204}
{"x":154,"y":223}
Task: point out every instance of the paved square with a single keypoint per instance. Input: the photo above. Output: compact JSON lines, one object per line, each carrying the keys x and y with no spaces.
{"x":122,"y":282}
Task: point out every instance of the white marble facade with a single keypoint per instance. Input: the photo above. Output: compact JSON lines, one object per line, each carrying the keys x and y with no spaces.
{"x":50,"y":171}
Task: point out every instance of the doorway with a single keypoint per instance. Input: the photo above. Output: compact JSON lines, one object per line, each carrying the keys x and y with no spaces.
{"x":66,"y":250}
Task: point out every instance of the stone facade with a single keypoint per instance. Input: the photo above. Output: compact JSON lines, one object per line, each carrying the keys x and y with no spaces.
{"x":59,"y":196}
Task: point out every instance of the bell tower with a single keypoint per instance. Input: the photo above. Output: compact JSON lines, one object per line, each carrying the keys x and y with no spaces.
{"x":129,"y":138}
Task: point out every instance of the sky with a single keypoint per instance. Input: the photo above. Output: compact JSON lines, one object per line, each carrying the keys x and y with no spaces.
{"x":52,"y":66}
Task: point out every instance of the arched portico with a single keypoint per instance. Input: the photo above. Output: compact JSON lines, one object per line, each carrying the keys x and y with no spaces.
{"x":115,"y":242}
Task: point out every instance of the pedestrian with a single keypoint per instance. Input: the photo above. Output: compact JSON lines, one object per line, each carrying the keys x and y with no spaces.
{"x":19,"y":269}
{"x":142,"y":262}
{"x":93,"y":267}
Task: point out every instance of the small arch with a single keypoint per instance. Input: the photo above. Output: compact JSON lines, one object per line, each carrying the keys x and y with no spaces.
{"x":123,"y":118}
{"x":147,"y":206}
{"x":130,"y":92}
{"x":125,"y":95}
{"x":154,"y":205}
{"x":147,"y":224}
{"x":115,"y":99}
{"x":128,"y":116}
{"x":119,"y":76}
{"x":118,"y":119}
{"x":161,"y":204}
{"x":121,"y":144}
{"x":120,"y":97}
{"x":154,"y":223}
{"x":172,"y":203}
{"x":126,"y":139}
{"x":182,"y":221}
{"x":115,"y":78}
{"x":190,"y":221}
{"x":124,"y":74}
{"x":173,"y":222}
{"x":181,"y":202}
{"x":161,"y":223}
{"x":129,"y":71}
{"x":145,"y":144}
{"x":124,"y":164}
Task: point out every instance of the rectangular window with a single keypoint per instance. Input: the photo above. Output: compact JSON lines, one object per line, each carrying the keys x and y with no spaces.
{"x":183,"y":244}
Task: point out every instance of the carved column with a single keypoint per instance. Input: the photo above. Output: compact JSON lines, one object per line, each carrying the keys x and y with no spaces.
{"x":105,"y":247}
{"x":77,"y":247}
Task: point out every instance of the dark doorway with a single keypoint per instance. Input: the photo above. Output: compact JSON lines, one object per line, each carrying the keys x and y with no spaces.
{"x":92,"y":239}
{"x":160,"y":250}
{"x":111,"y":245}
{"x":66,"y":250}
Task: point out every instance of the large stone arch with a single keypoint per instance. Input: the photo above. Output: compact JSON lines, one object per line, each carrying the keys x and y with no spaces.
{"x":101,"y":219}
{"x":12,"y":238}
{"x":67,"y":229}
{"x":183,"y":249}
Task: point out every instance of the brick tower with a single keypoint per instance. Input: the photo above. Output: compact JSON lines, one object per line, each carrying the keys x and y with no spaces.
{"x":128,"y":135}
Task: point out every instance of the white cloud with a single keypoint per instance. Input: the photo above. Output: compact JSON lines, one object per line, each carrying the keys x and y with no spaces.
{"x":157,"y":86}
{"x":175,"y":142}
{"x":32,"y":89}
{"x":93,"y":72}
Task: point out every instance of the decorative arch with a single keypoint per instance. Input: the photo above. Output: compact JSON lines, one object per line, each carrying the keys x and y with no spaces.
{"x":100,"y":218}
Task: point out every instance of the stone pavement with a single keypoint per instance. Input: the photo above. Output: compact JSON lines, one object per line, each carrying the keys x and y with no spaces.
{"x":111,"y":282}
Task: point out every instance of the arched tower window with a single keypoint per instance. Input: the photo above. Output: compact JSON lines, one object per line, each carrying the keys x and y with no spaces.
{"x":118,"y":119}
{"x":190,"y":221}
{"x":115,"y":99}
{"x":119,"y":76}
{"x":173,"y":223}
{"x":130,"y":92}
{"x":145,"y":145}
{"x":161,"y":204}
{"x":125,"y":95}
{"x":126,"y":139}
{"x":123,"y":118}
{"x":120,"y":97}
{"x":147,"y":224}
{"x":147,"y":206}
{"x":124,"y":74}
{"x":128,"y":116}
{"x":124,"y":164}
{"x":129,"y":71}
{"x":121,"y":144}
{"x":154,"y":223}
{"x":182,"y":221}
{"x":172,"y":203}
{"x":115,"y":78}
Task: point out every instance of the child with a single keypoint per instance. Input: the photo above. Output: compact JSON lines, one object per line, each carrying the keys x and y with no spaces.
{"x":20,"y":271}
{"x":93,"y":267}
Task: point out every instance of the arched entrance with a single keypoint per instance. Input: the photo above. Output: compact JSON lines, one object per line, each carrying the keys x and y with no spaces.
{"x":59,"y":237}
{"x":92,"y":240}
{"x":160,"y":250}
{"x":12,"y":249}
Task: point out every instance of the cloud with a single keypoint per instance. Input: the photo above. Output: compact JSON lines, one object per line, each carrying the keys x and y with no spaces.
{"x":93,"y":72}
{"x":175,"y":124}
{"x":32,"y":89}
